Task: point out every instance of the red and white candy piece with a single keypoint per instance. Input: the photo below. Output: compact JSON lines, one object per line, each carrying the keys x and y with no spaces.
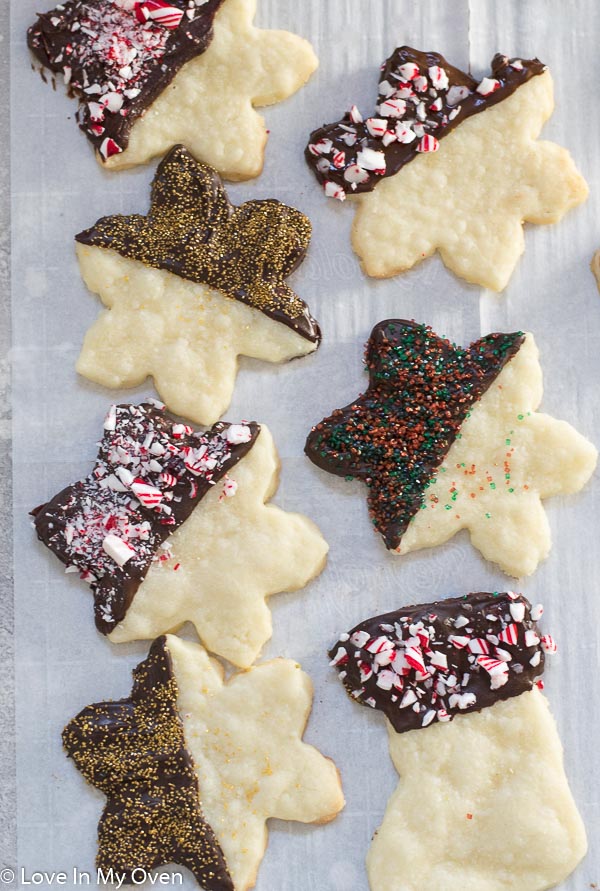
{"x":229,"y":488}
{"x":376,"y":126}
{"x":393,"y":108}
{"x":517,"y":611}
{"x":149,"y":495}
{"x":510,"y":634}
{"x":369,"y":159}
{"x":479,"y":646}
{"x":548,"y":644}
{"x":117,"y":549}
{"x":109,"y":148}
{"x":497,"y":670}
{"x":408,"y":71}
{"x":359,"y":639}
{"x":438,"y":77}
{"x":488,"y":86}
{"x":404,"y":134}
{"x":355,"y":115}
{"x":159,"y":11}
{"x":414,"y":657}
{"x":428,"y":144}
{"x":322,"y":147}
{"x":531,"y":638}
{"x":458,"y":641}
{"x":332,"y":190}
{"x":110,"y":421}
{"x":355,"y":174}
{"x":238,"y":434}
{"x":181,"y":430}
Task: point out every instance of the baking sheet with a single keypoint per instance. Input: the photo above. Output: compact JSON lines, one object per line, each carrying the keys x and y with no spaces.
{"x":62,"y":664}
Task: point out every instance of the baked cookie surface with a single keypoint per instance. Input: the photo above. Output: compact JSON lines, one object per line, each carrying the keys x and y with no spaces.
{"x":153,"y":73}
{"x":193,"y":766}
{"x":447,"y":438}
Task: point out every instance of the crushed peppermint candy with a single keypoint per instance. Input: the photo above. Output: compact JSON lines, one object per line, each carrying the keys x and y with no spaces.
{"x":117,"y":57}
{"x":414,"y":667}
{"x":420,"y":99}
{"x":149,"y":476}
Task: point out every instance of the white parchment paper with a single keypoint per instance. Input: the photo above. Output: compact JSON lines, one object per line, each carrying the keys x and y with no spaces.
{"x":62,"y":663}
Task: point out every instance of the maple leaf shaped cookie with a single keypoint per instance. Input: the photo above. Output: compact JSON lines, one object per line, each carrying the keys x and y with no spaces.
{"x":474,"y":742}
{"x":448,"y":438}
{"x":151,"y":73}
{"x":164,"y":535}
{"x":448,"y":164}
{"x":193,"y":767}
{"x":191,"y":286}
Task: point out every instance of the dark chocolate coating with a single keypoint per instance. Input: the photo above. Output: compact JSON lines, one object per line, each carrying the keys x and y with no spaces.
{"x":438,"y":122}
{"x":56,"y":45}
{"x":193,"y":231}
{"x":114,"y":586}
{"x":134,"y":751}
{"x":487,"y":615}
{"x":395,"y":435}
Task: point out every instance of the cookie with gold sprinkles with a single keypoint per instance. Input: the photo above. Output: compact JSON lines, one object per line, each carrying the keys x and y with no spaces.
{"x":447,"y":438}
{"x":192,"y":285}
{"x":172,"y":525}
{"x":473,"y":740}
{"x":193,"y":767}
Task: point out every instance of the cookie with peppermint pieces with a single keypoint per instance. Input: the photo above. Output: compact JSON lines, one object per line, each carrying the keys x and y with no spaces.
{"x":448,"y":163}
{"x":149,"y":74}
{"x":194,"y":766}
{"x":191,"y":286}
{"x":449,"y":438}
{"x":483,"y":801}
{"x":173,"y":525}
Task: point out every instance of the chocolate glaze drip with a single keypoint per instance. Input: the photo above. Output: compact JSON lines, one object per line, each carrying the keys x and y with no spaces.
{"x":134,"y":751}
{"x":193,"y":231}
{"x":106,"y":49}
{"x":396,"y":435}
{"x":435,"y":110}
{"x":431,"y":662}
{"x":75,"y":523}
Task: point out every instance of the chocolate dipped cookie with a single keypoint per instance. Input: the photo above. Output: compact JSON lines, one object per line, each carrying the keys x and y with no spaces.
{"x":448,"y":438}
{"x":172,"y":525}
{"x":193,"y":766}
{"x":483,"y":801}
{"x":149,"y":74}
{"x":448,"y":163}
{"x":191,"y":286}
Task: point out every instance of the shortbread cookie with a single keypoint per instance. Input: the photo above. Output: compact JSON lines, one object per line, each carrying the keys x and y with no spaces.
{"x":191,"y":286}
{"x":151,"y":73}
{"x":448,"y":438}
{"x":426,"y":184}
{"x":193,"y":767}
{"x":595,"y":267}
{"x":163,"y":535}
{"x":483,"y":803}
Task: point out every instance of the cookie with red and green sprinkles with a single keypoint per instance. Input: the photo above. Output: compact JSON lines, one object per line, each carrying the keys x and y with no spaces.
{"x":474,"y":743}
{"x":447,"y":438}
